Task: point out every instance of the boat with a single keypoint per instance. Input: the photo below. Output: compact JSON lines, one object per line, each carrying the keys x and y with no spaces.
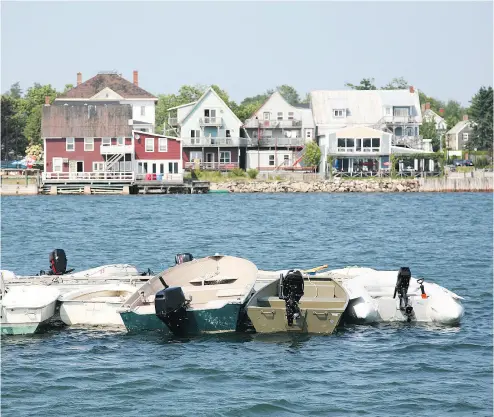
{"x":95,"y":305}
{"x":297,"y":302}
{"x":204,"y":295}
{"x":26,"y":309}
{"x":389,"y":296}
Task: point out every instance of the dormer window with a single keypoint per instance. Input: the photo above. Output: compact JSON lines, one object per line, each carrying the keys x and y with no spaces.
{"x":339,"y":113}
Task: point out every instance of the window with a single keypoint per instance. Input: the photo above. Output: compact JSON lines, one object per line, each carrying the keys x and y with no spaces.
{"x":346,"y":145}
{"x":388,"y":111}
{"x":196,"y":155}
{"x":149,"y":145}
{"x":162,"y":145}
{"x":173,"y":167}
{"x":120,"y":141}
{"x":376,"y":143}
{"x":89,"y":144}
{"x":228,"y":133}
{"x":69,"y":144}
{"x":143,"y":110}
{"x":106,"y":141}
{"x":98,"y":166}
{"x":144,"y":130}
{"x":339,"y":112}
{"x":401,"y":111}
{"x":290,"y":115}
{"x":57,"y":165}
{"x":195,"y":135}
{"x":280,"y":115}
{"x":308,"y":134}
{"x":465,"y":137}
{"x":271,"y":160}
{"x":358,"y":145}
{"x":266,"y":115}
{"x":225,"y":157}
{"x":286,"y":160}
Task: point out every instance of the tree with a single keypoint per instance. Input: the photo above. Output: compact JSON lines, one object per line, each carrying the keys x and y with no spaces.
{"x":365,"y":84}
{"x":312,"y":155}
{"x":68,"y":87}
{"x":13,"y":122}
{"x":480,"y":113}
{"x":289,"y":94}
{"x":396,"y":84}
{"x":428,"y":131}
{"x":15,"y":91}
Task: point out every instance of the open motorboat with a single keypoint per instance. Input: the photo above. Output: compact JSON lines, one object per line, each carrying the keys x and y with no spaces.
{"x":297,"y":302}
{"x":196,"y":296}
{"x":389,"y":296}
{"x":95,"y":305}
{"x":25,"y":309}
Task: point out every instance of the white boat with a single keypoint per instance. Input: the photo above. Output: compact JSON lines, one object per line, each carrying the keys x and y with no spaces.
{"x":95,"y":305}
{"x":373,"y":299}
{"x":25,"y":309}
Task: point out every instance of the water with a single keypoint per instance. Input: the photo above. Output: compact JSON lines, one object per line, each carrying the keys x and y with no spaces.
{"x":384,"y":370}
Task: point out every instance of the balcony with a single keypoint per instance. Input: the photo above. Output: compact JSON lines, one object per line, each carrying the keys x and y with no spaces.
{"x":173,"y":121}
{"x":272,"y":124}
{"x":97,"y":176}
{"x":215,"y":141}
{"x":279,"y":142}
{"x":400,"y":119}
{"x":211,"y":166}
{"x":211,"y":121}
{"x":116,"y":149}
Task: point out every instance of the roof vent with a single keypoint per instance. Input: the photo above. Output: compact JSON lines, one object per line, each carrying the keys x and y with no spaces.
{"x":114,"y":72}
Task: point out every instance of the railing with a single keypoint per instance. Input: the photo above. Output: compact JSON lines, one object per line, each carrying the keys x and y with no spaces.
{"x":88,"y":176}
{"x":215,"y":141}
{"x":172,"y":121}
{"x":353,"y":150}
{"x":160,"y":178}
{"x":266,"y":124}
{"x":211,"y":121}
{"x":116,"y":149}
{"x":415,"y":142}
{"x":279,"y":142}
{"x":214,"y":166}
{"x":399,"y":119}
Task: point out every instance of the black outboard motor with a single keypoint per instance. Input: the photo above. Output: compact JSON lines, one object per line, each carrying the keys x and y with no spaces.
{"x":292,"y":290}
{"x":58,"y":262}
{"x":182,"y":258}
{"x":171,"y":308}
{"x":401,"y":288}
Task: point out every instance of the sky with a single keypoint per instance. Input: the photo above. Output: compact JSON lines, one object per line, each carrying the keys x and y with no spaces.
{"x":443,"y":48}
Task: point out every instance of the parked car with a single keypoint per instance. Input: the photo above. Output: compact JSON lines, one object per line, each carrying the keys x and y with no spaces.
{"x":468,"y":163}
{"x":459,"y":163}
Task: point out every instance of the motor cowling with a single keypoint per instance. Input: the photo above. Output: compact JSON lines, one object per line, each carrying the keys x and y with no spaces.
{"x":58,"y":262}
{"x":183,"y":257}
{"x":171,"y":308}
{"x":291,"y":290}
{"x":401,"y":288}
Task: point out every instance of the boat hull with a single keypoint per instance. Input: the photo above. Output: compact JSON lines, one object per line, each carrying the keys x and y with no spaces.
{"x":22,"y":320}
{"x":91,"y":313}
{"x":219,"y":320}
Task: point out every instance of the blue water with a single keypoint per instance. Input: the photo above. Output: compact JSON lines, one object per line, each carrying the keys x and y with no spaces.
{"x":385,"y":370}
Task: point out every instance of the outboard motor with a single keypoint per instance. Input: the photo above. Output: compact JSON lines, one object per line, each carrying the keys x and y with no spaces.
{"x":292,"y":290}
{"x":171,"y":308}
{"x":58,"y":262}
{"x":401,"y":288}
{"x":182,"y":258}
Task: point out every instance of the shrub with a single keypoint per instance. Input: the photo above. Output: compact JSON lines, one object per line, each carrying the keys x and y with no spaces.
{"x":252,"y":173}
{"x":237,"y":172}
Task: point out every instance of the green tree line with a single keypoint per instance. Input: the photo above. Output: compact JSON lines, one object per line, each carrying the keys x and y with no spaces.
{"x":21,"y":111}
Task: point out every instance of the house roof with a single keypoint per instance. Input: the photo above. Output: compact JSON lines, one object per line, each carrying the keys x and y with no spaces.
{"x":182,"y":105}
{"x":429,"y":114}
{"x":115,"y":82}
{"x":201,"y":99}
{"x":458,"y":127}
{"x":302,"y":106}
{"x":139,"y":132}
{"x":366,"y":106}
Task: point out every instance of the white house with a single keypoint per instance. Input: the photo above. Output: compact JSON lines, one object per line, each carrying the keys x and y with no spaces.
{"x":428,"y":114}
{"x":212,"y":135}
{"x":111,"y":88}
{"x":278,"y":133}
{"x":359,"y":129}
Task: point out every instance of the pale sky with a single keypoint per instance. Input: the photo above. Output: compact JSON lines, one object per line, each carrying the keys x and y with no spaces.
{"x":443,"y":48}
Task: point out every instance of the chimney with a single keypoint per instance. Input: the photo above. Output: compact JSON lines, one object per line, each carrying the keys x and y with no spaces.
{"x":465,"y":117}
{"x":412,"y":90}
{"x":79,"y":78}
{"x":422,"y":107}
{"x":427,"y":106}
{"x":441,"y":111}
{"x":47,"y":100}
{"x":136,"y":78}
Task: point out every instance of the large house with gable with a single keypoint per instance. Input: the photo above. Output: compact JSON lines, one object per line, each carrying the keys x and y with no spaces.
{"x":212,"y":135}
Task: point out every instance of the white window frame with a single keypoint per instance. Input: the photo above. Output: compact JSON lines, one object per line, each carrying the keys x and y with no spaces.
{"x":143,"y":110}
{"x":88,"y":143}
{"x":466,"y":137}
{"x":57,"y":165}
{"x":271,"y":160}
{"x":106,"y":141}
{"x":162,"y":145}
{"x":195,"y":155}
{"x":70,"y":141}
{"x":150,"y":149}
{"x":120,"y":141}
{"x":291,"y":115}
{"x":388,"y":111}
{"x":339,"y":113}
{"x":224,"y":153}
{"x":266,"y":115}
{"x":98,"y":166}
{"x":279,"y":115}
{"x":308,"y":134}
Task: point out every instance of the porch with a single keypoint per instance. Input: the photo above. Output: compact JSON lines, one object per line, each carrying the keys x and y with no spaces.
{"x":214,"y":158}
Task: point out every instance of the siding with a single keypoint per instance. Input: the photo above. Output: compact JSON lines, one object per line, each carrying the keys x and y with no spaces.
{"x":173,"y":149}
{"x":55,"y":148}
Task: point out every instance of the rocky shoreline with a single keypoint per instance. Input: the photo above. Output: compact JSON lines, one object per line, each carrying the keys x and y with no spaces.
{"x":336,"y":185}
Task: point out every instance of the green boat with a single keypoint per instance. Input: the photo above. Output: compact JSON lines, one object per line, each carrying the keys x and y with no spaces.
{"x":205,"y":295}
